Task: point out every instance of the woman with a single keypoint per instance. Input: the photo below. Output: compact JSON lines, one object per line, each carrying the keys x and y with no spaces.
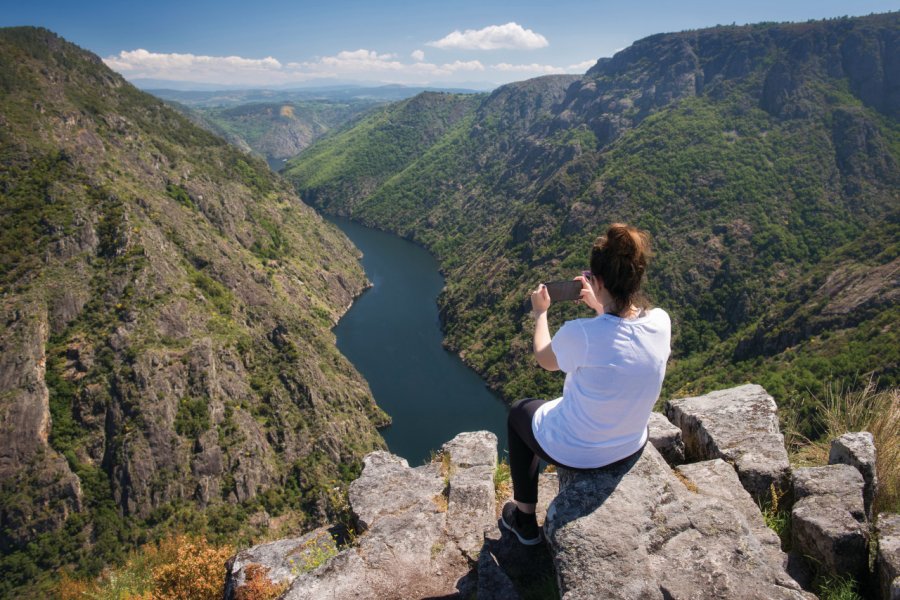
{"x":614,"y":365}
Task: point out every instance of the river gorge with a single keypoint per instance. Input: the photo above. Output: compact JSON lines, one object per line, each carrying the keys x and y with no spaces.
{"x":392,"y":335}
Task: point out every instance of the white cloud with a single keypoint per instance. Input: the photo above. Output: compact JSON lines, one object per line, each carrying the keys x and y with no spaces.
{"x":494,"y":37}
{"x":141,"y":63}
{"x":469,"y":65}
{"x":361,"y":65}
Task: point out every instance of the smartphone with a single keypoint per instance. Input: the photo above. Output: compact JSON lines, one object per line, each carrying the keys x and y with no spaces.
{"x":564,"y":290}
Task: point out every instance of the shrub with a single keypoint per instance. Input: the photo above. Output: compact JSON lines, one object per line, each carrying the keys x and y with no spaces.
{"x":189,"y":569}
{"x":257,"y":586}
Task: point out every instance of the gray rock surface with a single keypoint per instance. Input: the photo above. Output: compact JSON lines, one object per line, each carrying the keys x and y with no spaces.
{"x":717,"y":479}
{"x":828,"y":520}
{"x":740,"y":426}
{"x":420,"y":527}
{"x":282,"y":560}
{"x":471,"y":497}
{"x":636,"y":531}
{"x":858,"y":450}
{"x":888,"y":557}
{"x":666,"y":438}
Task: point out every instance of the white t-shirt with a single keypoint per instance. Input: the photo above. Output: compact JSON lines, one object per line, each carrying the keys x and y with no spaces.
{"x":614,"y":372}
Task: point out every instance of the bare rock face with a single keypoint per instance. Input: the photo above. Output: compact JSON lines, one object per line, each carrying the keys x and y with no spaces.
{"x":26,"y":457}
{"x":740,"y":426}
{"x":828,"y":521}
{"x":858,"y":450}
{"x":636,"y":531}
{"x":888,"y":558}
{"x":666,"y":438}
{"x":421,"y":527}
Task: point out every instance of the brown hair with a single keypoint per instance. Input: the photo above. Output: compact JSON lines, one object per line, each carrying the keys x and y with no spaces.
{"x":619,"y":258}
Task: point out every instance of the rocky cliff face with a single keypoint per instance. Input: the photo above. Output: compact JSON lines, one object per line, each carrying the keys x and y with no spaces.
{"x":165,"y":315}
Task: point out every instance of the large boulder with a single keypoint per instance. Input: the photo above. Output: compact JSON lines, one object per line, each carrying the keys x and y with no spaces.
{"x":888,"y":559}
{"x":740,"y":426}
{"x":420,"y":528}
{"x":637,"y":531}
{"x":858,"y":450}
{"x":828,"y":520}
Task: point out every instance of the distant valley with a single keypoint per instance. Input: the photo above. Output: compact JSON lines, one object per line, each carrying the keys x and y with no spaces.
{"x":279,"y":124}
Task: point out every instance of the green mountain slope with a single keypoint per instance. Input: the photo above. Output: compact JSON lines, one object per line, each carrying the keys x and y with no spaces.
{"x":166,"y":358}
{"x":763,"y":159}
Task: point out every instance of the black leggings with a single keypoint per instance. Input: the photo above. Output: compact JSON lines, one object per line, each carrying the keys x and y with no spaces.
{"x":525,"y":452}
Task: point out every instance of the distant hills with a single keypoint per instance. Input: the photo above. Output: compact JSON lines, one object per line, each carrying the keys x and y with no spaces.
{"x":764,"y":159}
{"x":279,"y":124}
{"x":166,"y":359}
{"x":336,"y":93}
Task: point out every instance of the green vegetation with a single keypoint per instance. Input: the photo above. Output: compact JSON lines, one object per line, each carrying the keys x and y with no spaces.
{"x":180,"y":195}
{"x":836,"y":588}
{"x":192,"y":418}
{"x":777,"y":516}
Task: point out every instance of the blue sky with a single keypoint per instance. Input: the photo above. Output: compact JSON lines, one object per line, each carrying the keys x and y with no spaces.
{"x":270,"y":42}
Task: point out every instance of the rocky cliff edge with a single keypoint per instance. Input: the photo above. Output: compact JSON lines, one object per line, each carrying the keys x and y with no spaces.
{"x":652,"y":528}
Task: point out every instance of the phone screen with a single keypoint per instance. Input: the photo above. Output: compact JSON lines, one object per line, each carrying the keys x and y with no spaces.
{"x":564,"y":290}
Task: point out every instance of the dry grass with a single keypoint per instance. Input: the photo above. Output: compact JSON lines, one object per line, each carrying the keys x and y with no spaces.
{"x":178,"y":567}
{"x":257,"y":585}
{"x":690,"y":485}
{"x":866,"y":409}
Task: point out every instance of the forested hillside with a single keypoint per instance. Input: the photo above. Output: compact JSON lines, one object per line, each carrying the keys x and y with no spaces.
{"x":166,"y":359}
{"x":764,"y":160}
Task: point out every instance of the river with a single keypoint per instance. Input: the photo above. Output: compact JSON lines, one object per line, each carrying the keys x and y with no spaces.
{"x":392,"y":335}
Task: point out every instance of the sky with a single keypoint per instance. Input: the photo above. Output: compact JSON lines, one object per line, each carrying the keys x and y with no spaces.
{"x":475,"y":43}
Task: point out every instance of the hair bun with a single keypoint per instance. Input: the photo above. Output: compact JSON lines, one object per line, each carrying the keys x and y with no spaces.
{"x":620,"y":259}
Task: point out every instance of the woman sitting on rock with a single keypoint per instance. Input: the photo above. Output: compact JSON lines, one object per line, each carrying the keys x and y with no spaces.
{"x":614,"y":365}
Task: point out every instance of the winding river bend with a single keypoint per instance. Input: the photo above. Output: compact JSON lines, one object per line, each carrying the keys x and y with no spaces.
{"x":392,"y":335}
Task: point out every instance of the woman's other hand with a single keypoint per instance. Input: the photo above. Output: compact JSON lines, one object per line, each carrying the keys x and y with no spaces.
{"x":540,"y":299}
{"x":588,"y":295}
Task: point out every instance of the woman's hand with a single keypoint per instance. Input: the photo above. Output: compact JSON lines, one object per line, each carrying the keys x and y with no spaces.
{"x":588,"y":296}
{"x":540,"y":300}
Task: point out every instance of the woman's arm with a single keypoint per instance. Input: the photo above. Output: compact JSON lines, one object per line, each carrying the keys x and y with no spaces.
{"x":543,"y":351}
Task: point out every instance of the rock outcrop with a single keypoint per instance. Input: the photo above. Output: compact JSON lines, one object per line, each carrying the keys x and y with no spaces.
{"x":638,"y":532}
{"x":740,"y":426}
{"x":420,"y":528}
{"x":640,"y":529}
{"x":828,"y":521}
{"x":858,"y":450}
